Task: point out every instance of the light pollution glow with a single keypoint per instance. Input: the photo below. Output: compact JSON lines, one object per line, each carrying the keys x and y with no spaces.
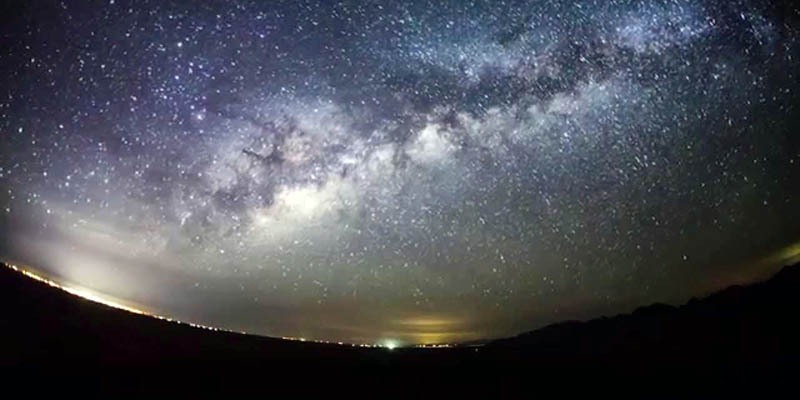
{"x":104,"y":300}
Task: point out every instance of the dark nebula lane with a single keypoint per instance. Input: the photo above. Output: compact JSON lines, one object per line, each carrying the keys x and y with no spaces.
{"x":399,"y":172}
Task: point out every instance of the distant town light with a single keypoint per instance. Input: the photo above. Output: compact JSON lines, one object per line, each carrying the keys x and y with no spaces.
{"x":390,"y":344}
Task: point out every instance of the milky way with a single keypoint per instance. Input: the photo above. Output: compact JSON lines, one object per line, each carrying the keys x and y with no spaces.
{"x":422,"y":172}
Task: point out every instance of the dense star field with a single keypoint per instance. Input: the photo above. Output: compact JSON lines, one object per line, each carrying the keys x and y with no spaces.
{"x":399,"y":172}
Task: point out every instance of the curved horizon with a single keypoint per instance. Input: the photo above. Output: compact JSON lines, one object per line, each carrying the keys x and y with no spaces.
{"x":768,"y":265}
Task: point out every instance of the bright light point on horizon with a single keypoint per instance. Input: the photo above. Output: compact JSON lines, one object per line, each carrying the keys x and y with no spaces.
{"x":390,"y":344}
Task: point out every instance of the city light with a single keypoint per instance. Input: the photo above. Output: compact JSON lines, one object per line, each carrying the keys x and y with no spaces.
{"x":390,"y":344}
{"x":97,"y":298}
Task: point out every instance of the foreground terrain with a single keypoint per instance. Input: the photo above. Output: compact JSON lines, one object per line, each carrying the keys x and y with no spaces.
{"x":742,"y":331}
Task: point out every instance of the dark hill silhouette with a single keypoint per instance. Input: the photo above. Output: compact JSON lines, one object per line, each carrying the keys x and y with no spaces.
{"x":741,"y":331}
{"x":740,"y":328}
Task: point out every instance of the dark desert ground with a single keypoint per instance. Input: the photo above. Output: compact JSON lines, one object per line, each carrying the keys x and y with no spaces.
{"x":735,"y":338}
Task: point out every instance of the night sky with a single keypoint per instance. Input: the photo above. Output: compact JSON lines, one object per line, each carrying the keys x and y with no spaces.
{"x":399,"y":172}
